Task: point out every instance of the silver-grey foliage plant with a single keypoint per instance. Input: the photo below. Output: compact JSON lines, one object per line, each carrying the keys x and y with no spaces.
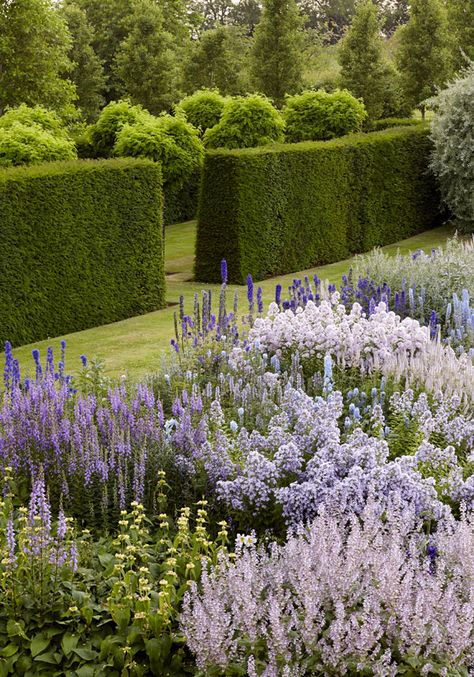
{"x":452,"y":131}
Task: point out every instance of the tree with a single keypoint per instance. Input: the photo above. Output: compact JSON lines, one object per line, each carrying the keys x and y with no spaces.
{"x":87,"y":72}
{"x":424,"y":53}
{"x":108,"y":19}
{"x":144,"y":62}
{"x":215,"y":61}
{"x":364,"y":71}
{"x":34,"y":63}
{"x":276,"y":56}
{"x":461,"y":23}
{"x":247,"y":14}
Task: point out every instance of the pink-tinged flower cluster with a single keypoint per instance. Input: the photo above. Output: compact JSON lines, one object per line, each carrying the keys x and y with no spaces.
{"x":353,"y":339}
{"x":381,"y":342}
{"x":344,"y":596}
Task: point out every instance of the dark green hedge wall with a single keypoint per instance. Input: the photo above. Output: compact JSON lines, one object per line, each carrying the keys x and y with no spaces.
{"x":81,"y":245}
{"x":180,"y":204}
{"x":284,"y":208}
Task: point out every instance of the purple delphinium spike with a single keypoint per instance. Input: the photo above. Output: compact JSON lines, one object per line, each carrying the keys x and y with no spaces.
{"x":278,"y":295}
{"x":36,"y":356}
{"x":259,"y":300}
{"x":250,"y":292}
{"x":224,"y":271}
{"x":84,"y":360}
{"x":8,"y":369}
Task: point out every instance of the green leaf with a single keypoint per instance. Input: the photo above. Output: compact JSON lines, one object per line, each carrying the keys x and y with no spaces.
{"x":15,"y":629}
{"x":69,"y":643}
{"x":48,"y":657}
{"x":86,"y":654}
{"x":9,"y":650}
{"x":38,"y":644}
{"x":85,"y":671}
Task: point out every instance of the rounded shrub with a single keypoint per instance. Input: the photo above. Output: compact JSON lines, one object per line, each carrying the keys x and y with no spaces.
{"x":29,"y":144}
{"x":452,"y":132}
{"x":314,"y":116}
{"x":36,"y":116}
{"x":203,"y":109}
{"x":171,"y":141}
{"x":246,"y":122}
{"x":103,"y":134}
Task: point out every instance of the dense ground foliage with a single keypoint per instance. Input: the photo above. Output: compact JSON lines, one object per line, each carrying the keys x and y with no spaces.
{"x":254,"y":486}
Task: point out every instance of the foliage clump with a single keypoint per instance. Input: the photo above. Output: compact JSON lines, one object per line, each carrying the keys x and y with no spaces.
{"x":38,"y":116}
{"x":452,"y":132}
{"x":171,"y":141}
{"x":113,"y":117}
{"x":246,"y":122}
{"x":203,"y":109}
{"x":22,"y":144}
{"x":314,"y":116}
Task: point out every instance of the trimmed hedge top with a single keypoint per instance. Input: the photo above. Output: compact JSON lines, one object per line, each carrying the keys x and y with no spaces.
{"x":284,"y":208}
{"x":81,"y":246}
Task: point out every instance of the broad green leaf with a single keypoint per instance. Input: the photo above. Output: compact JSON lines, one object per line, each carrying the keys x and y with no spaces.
{"x":69,"y":643}
{"x":38,"y":644}
{"x":86,"y":654}
{"x":9,"y":650}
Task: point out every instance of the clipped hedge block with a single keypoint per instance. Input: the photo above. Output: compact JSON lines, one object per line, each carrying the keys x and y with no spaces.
{"x":284,"y":208}
{"x":82,"y":245}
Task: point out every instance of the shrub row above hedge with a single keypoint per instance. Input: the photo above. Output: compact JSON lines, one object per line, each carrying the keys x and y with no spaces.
{"x":81,"y":246}
{"x":279,"y":209}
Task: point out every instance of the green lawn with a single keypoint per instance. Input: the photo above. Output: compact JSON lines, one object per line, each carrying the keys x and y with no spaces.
{"x":135,"y":346}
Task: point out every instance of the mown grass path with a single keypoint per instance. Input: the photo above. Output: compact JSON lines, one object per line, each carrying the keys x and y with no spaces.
{"x":136,"y":346}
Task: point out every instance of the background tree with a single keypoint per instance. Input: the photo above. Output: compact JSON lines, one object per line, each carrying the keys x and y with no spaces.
{"x":461,"y":23}
{"x":247,"y":14}
{"x":144,"y":62}
{"x":108,"y":19}
{"x":215,"y":61}
{"x":364,"y":71}
{"x":424,"y":53}
{"x":34,"y":63}
{"x":276,"y":56}
{"x":86,"y":73}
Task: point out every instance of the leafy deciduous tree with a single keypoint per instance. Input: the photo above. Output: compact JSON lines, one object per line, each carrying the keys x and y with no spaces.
{"x":215,"y":61}
{"x":87,"y":72}
{"x":144,"y":62}
{"x":34,"y":46}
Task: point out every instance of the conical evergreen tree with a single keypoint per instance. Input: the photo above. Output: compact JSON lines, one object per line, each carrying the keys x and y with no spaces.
{"x":424,"y":54}
{"x":364,"y":71}
{"x":461,"y":25}
{"x":276,"y":57}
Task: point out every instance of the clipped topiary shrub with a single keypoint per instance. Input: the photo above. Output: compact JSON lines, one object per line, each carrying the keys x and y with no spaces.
{"x":246,"y":122}
{"x":386,"y":123}
{"x":274,"y":210}
{"x":36,"y":116}
{"x":103,"y":134}
{"x":81,"y":246}
{"x":165,"y":139}
{"x":22,"y":144}
{"x":452,"y":132}
{"x":317,"y":116}
{"x":203,"y":109}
